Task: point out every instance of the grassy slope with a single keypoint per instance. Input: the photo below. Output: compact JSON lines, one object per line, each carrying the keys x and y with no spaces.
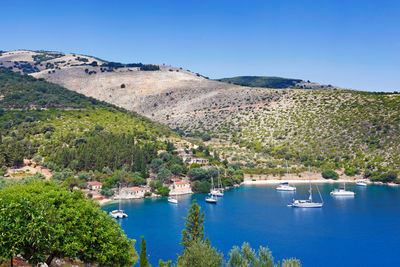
{"x":261,"y":81}
{"x":329,"y":128}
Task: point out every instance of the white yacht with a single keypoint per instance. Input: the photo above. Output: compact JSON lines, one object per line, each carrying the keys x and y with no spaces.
{"x":219,"y":191}
{"x":173,"y":200}
{"x":285,"y":187}
{"x":361,"y":182}
{"x":211,"y":197}
{"x":308,"y":203}
{"x":342,"y":192}
{"x":118,"y":214}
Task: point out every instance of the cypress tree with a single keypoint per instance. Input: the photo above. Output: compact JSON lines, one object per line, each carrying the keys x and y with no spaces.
{"x":194,"y":228}
{"x":144,"y":262}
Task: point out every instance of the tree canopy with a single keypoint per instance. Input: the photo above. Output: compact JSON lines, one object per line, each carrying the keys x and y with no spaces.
{"x":41,"y":221}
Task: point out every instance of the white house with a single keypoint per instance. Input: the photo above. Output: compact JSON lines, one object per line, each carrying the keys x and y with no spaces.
{"x":132,"y":192}
{"x":95,"y":185}
{"x":180,"y":188}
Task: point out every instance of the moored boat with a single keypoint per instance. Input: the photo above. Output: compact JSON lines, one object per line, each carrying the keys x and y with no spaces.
{"x":308,"y":203}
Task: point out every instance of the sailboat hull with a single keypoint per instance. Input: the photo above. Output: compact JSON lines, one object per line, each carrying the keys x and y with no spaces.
{"x":307,"y":205}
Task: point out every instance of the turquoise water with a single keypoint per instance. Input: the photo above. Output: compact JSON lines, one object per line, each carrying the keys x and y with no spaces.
{"x":359,"y":231}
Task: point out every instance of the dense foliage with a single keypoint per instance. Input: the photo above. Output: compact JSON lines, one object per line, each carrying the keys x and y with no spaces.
{"x":26,"y":92}
{"x":41,"y":221}
{"x":262,"y":81}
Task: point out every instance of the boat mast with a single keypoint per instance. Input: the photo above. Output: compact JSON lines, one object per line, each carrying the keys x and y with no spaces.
{"x":119,"y":193}
{"x":309,"y":176}
{"x":287,"y":169}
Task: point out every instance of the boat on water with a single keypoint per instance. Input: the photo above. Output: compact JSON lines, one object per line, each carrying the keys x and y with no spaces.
{"x":285,"y":185}
{"x":118,"y":214}
{"x":172,"y":199}
{"x":211,"y":198}
{"x":361,"y":182}
{"x":342,"y":192}
{"x":308,"y":203}
{"x":219,"y":191}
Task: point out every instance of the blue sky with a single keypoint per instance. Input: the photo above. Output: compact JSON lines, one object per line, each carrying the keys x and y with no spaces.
{"x":351,"y":43}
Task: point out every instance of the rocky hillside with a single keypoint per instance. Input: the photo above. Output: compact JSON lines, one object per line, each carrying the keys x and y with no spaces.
{"x":251,"y":125}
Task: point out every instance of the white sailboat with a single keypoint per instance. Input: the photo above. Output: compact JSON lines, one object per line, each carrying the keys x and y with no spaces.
{"x":308,"y":203}
{"x":342,"y":192}
{"x":285,"y":185}
{"x":211,"y":197}
{"x":118,"y":214}
{"x":219,"y":191}
{"x":173,"y":200}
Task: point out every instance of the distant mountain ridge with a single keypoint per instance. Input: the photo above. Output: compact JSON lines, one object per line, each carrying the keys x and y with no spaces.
{"x":262,"y":81}
{"x":275,"y":82}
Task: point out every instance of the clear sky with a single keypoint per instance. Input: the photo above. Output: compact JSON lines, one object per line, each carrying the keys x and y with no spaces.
{"x":349,"y":43}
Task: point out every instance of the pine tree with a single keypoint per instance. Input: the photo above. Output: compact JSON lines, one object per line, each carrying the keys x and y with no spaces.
{"x":144,"y":262}
{"x":194,"y":228}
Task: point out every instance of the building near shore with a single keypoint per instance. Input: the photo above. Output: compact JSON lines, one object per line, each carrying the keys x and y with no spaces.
{"x":132,"y":192}
{"x":95,"y":185}
{"x":181,"y":187}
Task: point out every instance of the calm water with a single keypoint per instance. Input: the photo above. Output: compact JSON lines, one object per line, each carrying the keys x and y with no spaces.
{"x":359,"y":231}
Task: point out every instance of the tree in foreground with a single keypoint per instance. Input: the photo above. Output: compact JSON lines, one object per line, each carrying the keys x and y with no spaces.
{"x":200,"y":253}
{"x":143,"y":261}
{"x":246,"y":256}
{"x":194,"y":228}
{"x":41,"y":221}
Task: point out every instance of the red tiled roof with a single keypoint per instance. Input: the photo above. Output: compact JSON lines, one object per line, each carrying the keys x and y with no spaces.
{"x":94,"y":183}
{"x":181,"y":182}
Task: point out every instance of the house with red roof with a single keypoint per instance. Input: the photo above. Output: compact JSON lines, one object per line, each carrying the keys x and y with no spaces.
{"x":95,"y":185}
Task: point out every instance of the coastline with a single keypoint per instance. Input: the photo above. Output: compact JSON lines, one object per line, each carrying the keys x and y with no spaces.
{"x":321,"y":181}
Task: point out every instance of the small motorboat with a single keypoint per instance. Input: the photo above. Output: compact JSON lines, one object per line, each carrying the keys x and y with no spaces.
{"x":285,"y":187}
{"x":342,"y":192}
{"x":361,"y":182}
{"x":172,"y":200}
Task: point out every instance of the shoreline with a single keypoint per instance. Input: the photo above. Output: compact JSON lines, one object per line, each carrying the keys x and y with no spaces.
{"x":321,"y":181}
{"x":109,"y":201}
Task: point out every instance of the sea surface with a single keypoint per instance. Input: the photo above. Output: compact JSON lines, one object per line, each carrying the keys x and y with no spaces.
{"x":359,"y":231}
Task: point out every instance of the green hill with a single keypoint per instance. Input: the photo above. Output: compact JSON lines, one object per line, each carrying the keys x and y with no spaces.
{"x":70,"y":130}
{"x":25,"y":92}
{"x":261,"y":81}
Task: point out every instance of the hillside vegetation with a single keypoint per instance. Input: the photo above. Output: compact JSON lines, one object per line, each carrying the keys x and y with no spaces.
{"x":257,"y":127}
{"x":84,"y":139}
{"x":25,"y":92}
{"x":323,"y":128}
{"x":262,"y":81}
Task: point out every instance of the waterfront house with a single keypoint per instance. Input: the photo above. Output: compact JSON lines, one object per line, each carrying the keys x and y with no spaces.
{"x":180,"y":187}
{"x":132,"y":192}
{"x":95,"y":185}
